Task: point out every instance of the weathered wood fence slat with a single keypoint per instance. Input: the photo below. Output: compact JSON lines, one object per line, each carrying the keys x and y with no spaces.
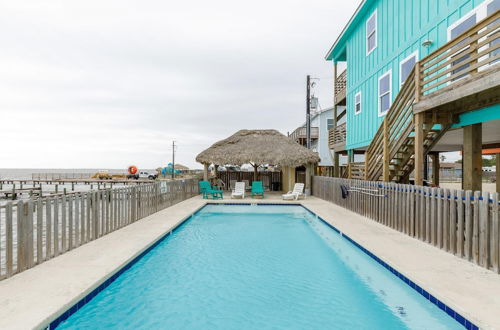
{"x":33,"y":231}
{"x":463,"y":223}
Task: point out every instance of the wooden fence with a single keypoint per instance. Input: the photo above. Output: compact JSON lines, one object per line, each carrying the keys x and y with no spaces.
{"x":33,"y":231}
{"x":267,"y":178}
{"x":464,"y":223}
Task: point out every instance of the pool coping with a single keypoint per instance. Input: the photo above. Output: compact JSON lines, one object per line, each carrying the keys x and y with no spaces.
{"x":166,"y":221}
{"x":105,"y":283}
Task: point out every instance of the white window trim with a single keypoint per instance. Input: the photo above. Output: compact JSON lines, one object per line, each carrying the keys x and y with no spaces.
{"x":368,"y":52}
{"x":360,"y":103}
{"x":388,"y":73}
{"x":414,"y":54}
{"x":481,"y":12}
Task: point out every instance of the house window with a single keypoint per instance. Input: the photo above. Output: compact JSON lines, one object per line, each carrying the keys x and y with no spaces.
{"x":329,"y":124}
{"x":406,"y":66}
{"x":384,"y":93}
{"x":491,"y":9}
{"x":357,"y":103}
{"x":371,"y":33}
{"x":455,"y":32}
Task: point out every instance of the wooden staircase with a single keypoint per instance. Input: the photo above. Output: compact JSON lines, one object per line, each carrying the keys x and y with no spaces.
{"x":395,"y":138}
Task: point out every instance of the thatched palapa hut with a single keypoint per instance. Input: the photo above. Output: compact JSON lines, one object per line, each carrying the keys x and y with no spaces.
{"x":258,"y":147}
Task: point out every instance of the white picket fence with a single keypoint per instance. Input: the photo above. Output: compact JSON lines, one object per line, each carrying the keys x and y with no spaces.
{"x":464,"y":223}
{"x":33,"y":231}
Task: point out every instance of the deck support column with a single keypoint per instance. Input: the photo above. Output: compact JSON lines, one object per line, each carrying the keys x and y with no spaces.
{"x":472,"y":157}
{"x":498,"y":173}
{"x":336,"y":168}
{"x":435,"y":167}
{"x":385,"y":159}
{"x":419,"y":148}
{"x":205,"y":172}
{"x":350,"y":159}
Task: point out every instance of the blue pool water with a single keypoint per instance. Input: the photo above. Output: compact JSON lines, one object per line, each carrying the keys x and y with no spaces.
{"x":257,"y":267}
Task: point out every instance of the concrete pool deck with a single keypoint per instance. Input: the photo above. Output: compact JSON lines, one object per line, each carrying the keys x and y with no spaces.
{"x":34,"y":298}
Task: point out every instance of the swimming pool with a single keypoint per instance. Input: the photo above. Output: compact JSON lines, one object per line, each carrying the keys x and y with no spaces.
{"x":257,"y":267}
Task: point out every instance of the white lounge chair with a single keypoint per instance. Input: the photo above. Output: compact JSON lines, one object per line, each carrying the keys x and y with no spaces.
{"x":296,"y":193}
{"x":239,"y":190}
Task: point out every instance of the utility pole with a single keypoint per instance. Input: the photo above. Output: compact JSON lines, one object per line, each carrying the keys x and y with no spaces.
{"x":173,"y":160}
{"x":308,"y":113}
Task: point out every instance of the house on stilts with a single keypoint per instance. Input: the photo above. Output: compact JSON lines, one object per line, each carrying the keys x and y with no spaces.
{"x":421,"y":77}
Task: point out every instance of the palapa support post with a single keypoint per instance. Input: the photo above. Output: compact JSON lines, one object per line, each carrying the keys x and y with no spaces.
{"x":309,"y":173}
{"x":255,"y":172}
{"x":205,"y":172}
{"x":472,"y":157}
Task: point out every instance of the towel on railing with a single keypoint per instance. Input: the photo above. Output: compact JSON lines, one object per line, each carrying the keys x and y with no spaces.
{"x":345,"y":191}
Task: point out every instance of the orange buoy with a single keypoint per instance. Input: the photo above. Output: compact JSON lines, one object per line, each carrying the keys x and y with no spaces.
{"x":132,"y":169}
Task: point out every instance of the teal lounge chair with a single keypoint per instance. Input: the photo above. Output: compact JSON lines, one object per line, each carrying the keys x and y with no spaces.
{"x":206,"y":190}
{"x":257,"y":189}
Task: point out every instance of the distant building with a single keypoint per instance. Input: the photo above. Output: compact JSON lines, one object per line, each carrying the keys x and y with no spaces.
{"x":321,"y":123}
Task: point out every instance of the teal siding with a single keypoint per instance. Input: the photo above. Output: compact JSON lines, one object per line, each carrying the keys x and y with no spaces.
{"x":402,"y":26}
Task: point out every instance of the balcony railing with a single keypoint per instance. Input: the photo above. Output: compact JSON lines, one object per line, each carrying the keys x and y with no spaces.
{"x":340,"y":87}
{"x":472,"y":53}
{"x":337,"y":136}
{"x":300,"y":133}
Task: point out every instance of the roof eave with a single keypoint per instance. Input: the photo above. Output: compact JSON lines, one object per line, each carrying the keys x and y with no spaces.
{"x":329,"y":56}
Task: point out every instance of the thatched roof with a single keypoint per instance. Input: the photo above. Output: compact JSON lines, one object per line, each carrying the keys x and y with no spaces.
{"x":259,"y":147}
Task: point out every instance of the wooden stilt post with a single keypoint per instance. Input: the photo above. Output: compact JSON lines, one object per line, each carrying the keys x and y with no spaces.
{"x":435,"y":168}
{"x":385,"y":160}
{"x":367,"y":160}
{"x":419,"y":148}
{"x":336,"y":168}
{"x":498,"y":172}
{"x":472,"y":158}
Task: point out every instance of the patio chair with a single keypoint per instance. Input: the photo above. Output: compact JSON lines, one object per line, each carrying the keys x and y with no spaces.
{"x":239,"y":190}
{"x":296,"y":193}
{"x":257,"y":189}
{"x":206,"y":190}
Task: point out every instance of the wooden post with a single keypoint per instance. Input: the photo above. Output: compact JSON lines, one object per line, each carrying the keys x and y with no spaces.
{"x":498,"y":173}
{"x":419,"y":148}
{"x":205,"y":172}
{"x":334,"y":87}
{"x":255,"y":174}
{"x":336,"y":168}
{"x":385,"y":160}
{"x":308,"y":179}
{"x":472,"y":158}
{"x":435,"y":167}
{"x":367,"y":160}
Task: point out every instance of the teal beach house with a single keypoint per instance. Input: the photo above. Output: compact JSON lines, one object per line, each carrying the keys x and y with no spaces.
{"x":421,"y":77}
